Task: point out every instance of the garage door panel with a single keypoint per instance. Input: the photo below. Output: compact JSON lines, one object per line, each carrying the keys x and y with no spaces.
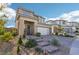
{"x":43,"y":31}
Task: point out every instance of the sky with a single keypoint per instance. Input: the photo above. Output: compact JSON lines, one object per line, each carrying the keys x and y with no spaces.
{"x":51,"y":11}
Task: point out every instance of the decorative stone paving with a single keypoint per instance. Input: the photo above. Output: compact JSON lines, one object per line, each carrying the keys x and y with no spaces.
{"x":45,"y":45}
{"x":50,"y":48}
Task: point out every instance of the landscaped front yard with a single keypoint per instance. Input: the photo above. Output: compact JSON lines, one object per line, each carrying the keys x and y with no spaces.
{"x":34,"y":45}
{"x":51,"y":44}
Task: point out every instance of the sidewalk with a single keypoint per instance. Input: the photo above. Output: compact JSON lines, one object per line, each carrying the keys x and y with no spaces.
{"x":75,"y":47}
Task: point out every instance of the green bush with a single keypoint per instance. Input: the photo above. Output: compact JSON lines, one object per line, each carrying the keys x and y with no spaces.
{"x":2,"y":32}
{"x":4,"y":35}
{"x":7,"y":36}
{"x":55,"y":42}
{"x":20,"y":42}
{"x":39,"y":50}
{"x":56,"y":33}
{"x":1,"y":37}
{"x":30,"y":43}
{"x":24,"y":36}
{"x":67,"y":35}
{"x":18,"y":50}
{"x":38,"y":34}
{"x":14,"y":33}
{"x":76,"y":31}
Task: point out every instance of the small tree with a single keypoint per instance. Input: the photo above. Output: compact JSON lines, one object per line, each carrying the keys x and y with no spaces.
{"x":2,"y":29}
{"x":60,"y":28}
{"x":4,"y":35}
{"x":2,"y":22}
{"x":14,"y":32}
{"x":18,"y":50}
{"x":20,"y":42}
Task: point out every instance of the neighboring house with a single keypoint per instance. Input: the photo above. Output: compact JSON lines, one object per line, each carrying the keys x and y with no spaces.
{"x":51,"y":22}
{"x":60,"y":22}
{"x":28,"y":23}
{"x":69,"y":27}
{"x":57,"y":25}
{"x":56,"y":22}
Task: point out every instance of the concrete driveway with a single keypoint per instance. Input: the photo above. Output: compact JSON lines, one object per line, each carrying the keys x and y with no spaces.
{"x":75,"y":47}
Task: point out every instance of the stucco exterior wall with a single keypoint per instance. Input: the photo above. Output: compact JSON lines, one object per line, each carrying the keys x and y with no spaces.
{"x":21,"y":18}
{"x":21,"y":27}
{"x":20,"y":24}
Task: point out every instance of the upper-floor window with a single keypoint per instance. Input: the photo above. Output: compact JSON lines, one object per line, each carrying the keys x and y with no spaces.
{"x":41,"y":20}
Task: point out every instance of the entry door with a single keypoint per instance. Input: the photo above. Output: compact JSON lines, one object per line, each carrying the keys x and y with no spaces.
{"x":28,"y":30}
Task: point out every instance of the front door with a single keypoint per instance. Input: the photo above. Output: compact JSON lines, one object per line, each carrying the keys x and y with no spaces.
{"x":28,"y":30}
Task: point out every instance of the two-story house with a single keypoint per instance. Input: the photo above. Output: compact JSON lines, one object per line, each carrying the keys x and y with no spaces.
{"x":29,"y":23}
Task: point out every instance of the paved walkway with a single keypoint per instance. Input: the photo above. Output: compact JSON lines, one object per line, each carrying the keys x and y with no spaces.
{"x":43,"y":42}
{"x":75,"y":47}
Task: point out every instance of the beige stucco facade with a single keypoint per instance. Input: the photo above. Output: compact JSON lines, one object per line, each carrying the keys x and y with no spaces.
{"x":22,"y":24}
{"x":28,"y":24}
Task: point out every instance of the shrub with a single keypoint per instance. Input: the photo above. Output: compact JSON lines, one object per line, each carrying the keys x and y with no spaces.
{"x":2,"y":32}
{"x":39,"y":50}
{"x":12,"y":30}
{"x":14,"y":33}
{"x":30,"y":43}
{"x":55,"y":42}
{"x":24,"y":36}
{"x":1,"y":37}
{"x":18,"y":49}
{"x":2,"y":22}
{"x":38,"y":34}
{"x":20,"y":42}
{"x":56,"y":33}
{"x":4,"y":35}
{"x":76,"y":31}
{"x":67,"y":35}
{"x":7,"y":36}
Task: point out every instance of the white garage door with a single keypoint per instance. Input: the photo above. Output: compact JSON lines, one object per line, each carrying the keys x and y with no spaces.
{"x":43,"y":31}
